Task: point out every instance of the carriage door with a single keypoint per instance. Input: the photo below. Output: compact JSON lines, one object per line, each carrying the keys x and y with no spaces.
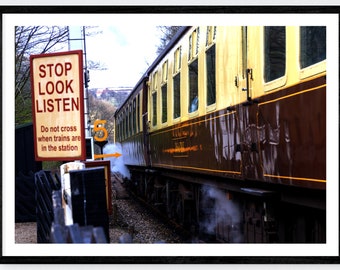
{"x":248,"y":109}
{"x":260,"y":206}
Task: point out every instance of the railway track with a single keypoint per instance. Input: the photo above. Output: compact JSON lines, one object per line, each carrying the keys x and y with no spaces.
{"x":136,"y":222}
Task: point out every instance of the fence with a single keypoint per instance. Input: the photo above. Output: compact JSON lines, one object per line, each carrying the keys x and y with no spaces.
{"x":25,"y":167}
{"x":51,"y":226}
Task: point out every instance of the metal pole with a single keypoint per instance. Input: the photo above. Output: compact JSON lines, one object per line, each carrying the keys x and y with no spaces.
{"x":86,"y":93}
{"x":79,"y":43}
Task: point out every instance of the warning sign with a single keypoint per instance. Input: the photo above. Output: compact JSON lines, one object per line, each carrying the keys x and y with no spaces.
{"x":58,"y":107}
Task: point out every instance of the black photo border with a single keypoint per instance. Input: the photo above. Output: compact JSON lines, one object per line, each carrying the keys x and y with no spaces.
{"x":162,"y":259}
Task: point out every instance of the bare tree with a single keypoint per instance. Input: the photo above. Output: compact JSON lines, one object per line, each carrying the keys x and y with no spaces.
{"x":102,"y":109}
{"x":32,"y":40}
{"x":96,"y":65}
{"x":168,"y":32}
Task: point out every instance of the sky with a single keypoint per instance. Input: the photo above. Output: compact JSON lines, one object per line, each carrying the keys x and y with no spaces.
{"x":126,"y":51}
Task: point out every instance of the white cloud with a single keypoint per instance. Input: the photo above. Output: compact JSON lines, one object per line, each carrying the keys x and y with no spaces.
{"x":126,"y":51}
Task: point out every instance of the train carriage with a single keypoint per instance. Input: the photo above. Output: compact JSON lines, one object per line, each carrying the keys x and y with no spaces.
{"x":242,"y":111}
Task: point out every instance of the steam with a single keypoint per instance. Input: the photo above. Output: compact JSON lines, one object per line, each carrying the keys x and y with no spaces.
{"x":220,"y":212}
{"x":117,"y":164}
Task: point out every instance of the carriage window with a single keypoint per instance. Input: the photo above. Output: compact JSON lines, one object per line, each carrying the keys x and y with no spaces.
{"x":177,"y":97}
{"x":154,"y":98}
{"x":134,"y":116}
{"x":165,"y":72}
{"x":154,"y":108}
{"x":138,"y":113}
{"x":122,"y":126}
{"x":164,"y":103}
{"x":275,"y":52}
{"x":211,"y":34}
{"x":312,"y":45}
{"x":118,"y":129}
{"x":211,"y":75}
{"x":164,"y":92}
{"x":177,"y":59}
{"x":193,"y":86}
{"x":193,"y":44}
{"x":130,"y":128}
{"x":126,"y":123}
{"x":177,"y":83}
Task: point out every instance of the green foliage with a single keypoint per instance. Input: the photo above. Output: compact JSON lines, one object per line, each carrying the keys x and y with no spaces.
{"x":52,"y":166}
{"x":23,"y":110}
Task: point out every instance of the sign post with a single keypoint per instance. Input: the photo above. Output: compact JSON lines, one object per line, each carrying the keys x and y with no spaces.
{"x":58,"y":106}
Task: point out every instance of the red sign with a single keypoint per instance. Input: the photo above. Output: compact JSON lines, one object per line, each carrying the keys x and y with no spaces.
{"x":58,"y":106}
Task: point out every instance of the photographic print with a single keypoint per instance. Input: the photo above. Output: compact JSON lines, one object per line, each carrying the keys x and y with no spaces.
{"x":164,"y":134}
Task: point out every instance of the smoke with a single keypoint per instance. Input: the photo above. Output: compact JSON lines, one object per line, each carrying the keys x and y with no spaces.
{"x":222,"y":215}
{"x":117,"y":164}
